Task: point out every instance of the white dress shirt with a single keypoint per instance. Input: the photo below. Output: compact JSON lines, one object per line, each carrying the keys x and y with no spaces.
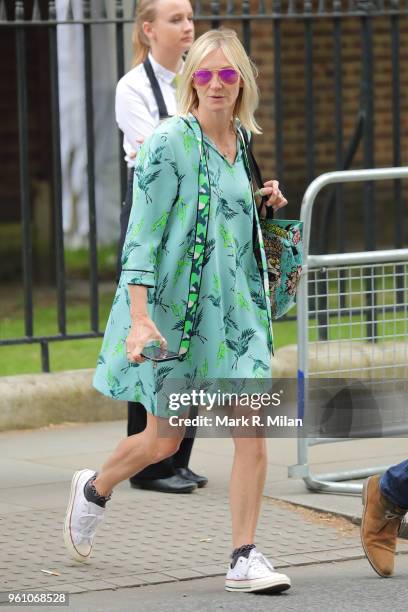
{"x":136,"y":110}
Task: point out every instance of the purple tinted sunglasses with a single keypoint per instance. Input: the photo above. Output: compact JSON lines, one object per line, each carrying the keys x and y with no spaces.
{"x":229,"y":76}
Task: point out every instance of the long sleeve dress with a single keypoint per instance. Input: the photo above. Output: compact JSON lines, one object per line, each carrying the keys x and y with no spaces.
{"x":193,"y":239}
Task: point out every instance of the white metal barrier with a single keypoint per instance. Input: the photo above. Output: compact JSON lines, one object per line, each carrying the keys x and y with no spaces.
{"x":350,"y":322}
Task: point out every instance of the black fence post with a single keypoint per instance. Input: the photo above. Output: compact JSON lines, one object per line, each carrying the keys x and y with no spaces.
{"x":90,"y":146}
{"x":367,"y":90}
{"x":57,"y":176}
{"x":246,"y":26}
{"x":120,"y":71}
{"x":45,"y":356}
{"x":215,"y":11}
{"x":22,"y":105}
{"x":399,"y":220}
{"x":278,"y":103}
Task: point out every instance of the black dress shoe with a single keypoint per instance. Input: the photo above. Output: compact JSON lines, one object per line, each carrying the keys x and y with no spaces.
{"x":188,"y":474}
{"x":171,"y":484}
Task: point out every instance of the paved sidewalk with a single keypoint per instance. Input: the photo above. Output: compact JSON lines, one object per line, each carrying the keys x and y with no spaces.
{"x":145,"y":532}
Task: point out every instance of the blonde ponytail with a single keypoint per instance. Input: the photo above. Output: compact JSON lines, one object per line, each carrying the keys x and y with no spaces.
{"x":146,"y":11}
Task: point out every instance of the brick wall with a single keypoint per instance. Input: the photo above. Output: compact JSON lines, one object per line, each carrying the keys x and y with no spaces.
{"x":294,"y":104}
{"x":39,"y":126}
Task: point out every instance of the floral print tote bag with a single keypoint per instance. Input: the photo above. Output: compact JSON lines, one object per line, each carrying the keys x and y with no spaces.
{"x":282,"y":240}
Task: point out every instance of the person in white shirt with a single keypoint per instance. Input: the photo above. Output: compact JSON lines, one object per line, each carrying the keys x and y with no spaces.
{"x":163,"y":32}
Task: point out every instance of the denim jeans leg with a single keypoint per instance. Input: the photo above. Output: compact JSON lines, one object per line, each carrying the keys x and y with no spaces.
{"x":394,"y":484}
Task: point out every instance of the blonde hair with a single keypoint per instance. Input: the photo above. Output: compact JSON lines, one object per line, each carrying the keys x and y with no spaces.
{"x":146,"y":11}
{"x":248,"y":98}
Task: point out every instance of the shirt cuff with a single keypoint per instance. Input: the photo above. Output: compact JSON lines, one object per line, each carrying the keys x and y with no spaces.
{"x":138,"y":277}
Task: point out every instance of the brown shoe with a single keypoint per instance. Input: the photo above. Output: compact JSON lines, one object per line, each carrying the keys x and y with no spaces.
{"x":380,"y":523}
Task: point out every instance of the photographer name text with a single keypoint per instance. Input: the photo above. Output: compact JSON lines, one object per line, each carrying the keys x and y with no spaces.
{"x":254,"y":420}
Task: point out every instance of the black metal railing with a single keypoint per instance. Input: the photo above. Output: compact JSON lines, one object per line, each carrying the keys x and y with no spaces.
{"x":21,"y":17}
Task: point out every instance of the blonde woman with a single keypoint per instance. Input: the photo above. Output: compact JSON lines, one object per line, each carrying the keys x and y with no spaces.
{"x":163,"y":32}
{"x":190,"y":281}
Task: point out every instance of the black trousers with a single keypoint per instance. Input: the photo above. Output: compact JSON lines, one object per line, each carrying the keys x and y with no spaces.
{"x":136,"y":412}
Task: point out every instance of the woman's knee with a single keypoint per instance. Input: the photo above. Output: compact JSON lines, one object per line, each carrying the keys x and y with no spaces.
{"x":159,"y":447}
{"x":164,"y":448}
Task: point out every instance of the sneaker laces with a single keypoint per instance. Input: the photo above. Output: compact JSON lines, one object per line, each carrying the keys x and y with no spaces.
{"x":258,"y":561}
{"x":88,"y":524}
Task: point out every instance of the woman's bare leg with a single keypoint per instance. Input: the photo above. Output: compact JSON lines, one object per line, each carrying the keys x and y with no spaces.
{"x":249,"y":570}
{"x":246,"y":487}
{"x":136,"y":452}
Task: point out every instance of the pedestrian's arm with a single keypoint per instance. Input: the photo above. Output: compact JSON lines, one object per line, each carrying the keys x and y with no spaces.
{"x":143,"y":330}
{"x":138,"y":301}
{"x":155,"y":187}
{"x":132,"y":114}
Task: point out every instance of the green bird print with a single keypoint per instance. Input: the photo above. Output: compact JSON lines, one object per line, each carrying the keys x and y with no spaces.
{"x":228,"y":321}
{"x":127,"y":250}
{"x":161,"y":376}
{"x":214,"y":299}
{"x":246,"y":206}
{"x":240,"y":347}
{"x":226,"y":210}
{"x":139,"y":390}
{"x":196,"y":326}
{"x":259,"y":366}
{"x":145,"y":180}
{"x":239,"y":252}
{"x":258,"y":299}
{"x":115,"y":387}
{"x":154,"y":157}
{"x":158,"y":296}
{"x":209,"y":247}
{"x":226,"y":236}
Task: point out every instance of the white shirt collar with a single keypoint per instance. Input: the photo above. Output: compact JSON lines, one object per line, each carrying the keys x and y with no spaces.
{"x":166,"y":75}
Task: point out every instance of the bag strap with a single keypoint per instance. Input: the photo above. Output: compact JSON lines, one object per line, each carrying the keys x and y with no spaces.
{"x":163,"y":114}
{"x":200,"y":237}
{"x":255,"y":172}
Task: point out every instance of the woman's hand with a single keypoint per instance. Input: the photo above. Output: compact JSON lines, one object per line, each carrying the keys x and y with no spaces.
{"x":142,"y":332}
{"x":139,"y":142}
{"x":276,"y":199}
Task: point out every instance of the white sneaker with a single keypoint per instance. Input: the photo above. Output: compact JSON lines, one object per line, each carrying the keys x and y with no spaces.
{"x":255,"y":573}
{"x":81,"y":519}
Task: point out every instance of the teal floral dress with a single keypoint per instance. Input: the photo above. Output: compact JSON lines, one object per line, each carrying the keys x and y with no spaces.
{"x":221,"y":301}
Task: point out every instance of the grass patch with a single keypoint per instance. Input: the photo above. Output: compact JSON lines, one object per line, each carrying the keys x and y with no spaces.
{"x":77,"y":354}
{"x":78,"y":266}
{"x":69,"y":354}
{"x":77,"y":263}
{"x":64,"y":355}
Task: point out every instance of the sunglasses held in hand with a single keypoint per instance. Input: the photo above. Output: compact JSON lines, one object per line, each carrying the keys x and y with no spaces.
{"x":229,"y":76}
{"x":158,"y":353}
